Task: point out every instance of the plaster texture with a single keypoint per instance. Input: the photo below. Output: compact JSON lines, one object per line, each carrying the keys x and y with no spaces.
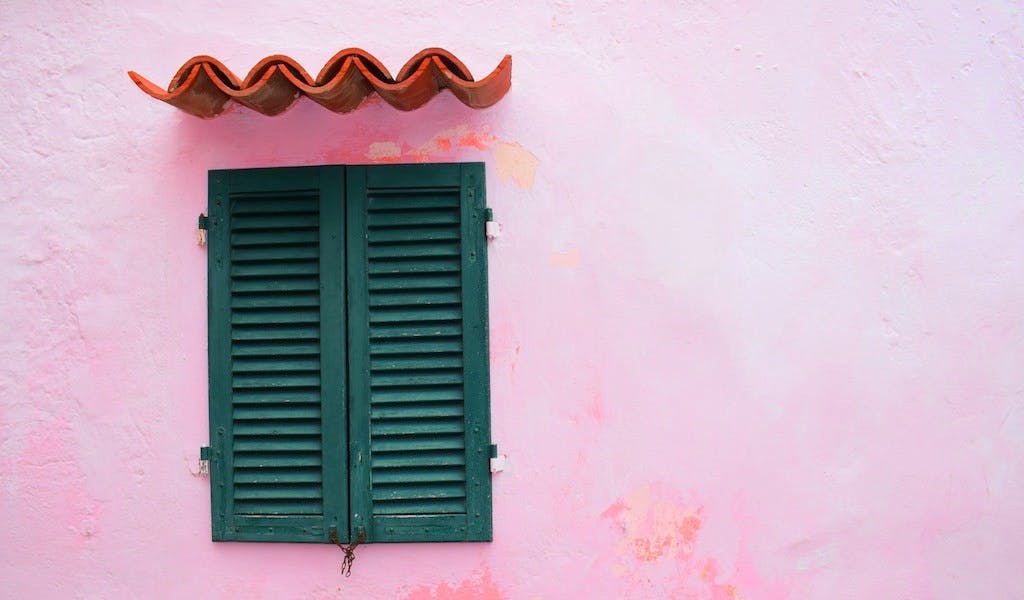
{"x":756,"y":313}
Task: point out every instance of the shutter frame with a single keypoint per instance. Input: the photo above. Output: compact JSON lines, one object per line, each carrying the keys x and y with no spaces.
{"x":465,"y":182}
{"x":477,"y":352}
{"x":219,"y":350}
{"x":345,"y":364}
{"x":226,"y":523}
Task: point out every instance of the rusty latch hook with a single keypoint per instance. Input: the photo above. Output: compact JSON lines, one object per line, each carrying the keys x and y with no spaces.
{"x":350,"y":550}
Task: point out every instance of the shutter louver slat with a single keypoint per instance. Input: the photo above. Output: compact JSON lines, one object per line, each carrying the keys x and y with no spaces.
{"x":275,"y":299}
{"x":427,"y":459}
{"x":273,"y":362}
{"x":420,"y":506}
{"x":275,"y":284}
{"x":267,"y":256}
{"x":279,"y":507}
{"x":434,"y":250}
{"x":411,"y":492}
{"x":297,"y":237}
{"x":381,"y":411}
{"x":416,"y":394}
{"x":414,"y":264}
{"x":275,"y":411}
{"x":411,"y":298}
{"x":433,"y":474}
{"x":276,"y":396}
{"x":299,"y":201}
{"x":280,"y":426}
{"x":282,"y":267}
{"x":283,"y":220}
{"x":279,"y":459}
{"x":383,"y":347}
{"x":283,"y":475}
{"x":293,"y":332}
{"x":406,"y":281}
{"x":401,"y":362}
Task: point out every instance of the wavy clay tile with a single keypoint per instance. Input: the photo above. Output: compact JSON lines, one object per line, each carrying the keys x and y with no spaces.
{"x":204,"y":87}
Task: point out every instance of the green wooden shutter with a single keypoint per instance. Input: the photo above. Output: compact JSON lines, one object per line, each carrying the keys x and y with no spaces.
{"x":277,"y":354}
{"x":419,"y":390}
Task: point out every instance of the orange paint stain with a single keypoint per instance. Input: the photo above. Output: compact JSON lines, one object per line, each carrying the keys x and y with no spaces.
{"x":658,"y":548}
{"x":512,"y":161}
{"x":655,"y":526}
{"x":443,"y":142}
{"x":385,"y":152}
{"x":516,"y":163}
{"x":647,"y":549}
{"x":481,"y":140}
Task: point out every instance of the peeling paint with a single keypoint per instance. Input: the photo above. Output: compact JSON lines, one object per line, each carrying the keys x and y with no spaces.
{"x":517,"y":163}
{"x":456,"y":137}
{"x":513,"y":162}
{"x":481,"y":140}
{"x":384,"y":152}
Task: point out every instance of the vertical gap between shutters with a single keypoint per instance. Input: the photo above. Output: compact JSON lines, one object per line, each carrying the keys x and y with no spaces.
{"x":347,"y":453}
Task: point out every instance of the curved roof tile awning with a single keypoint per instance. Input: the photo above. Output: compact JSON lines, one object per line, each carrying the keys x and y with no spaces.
{"x":204,"y":87}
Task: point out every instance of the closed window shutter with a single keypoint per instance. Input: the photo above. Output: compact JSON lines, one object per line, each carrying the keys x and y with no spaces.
{"x":419,"y":396}
{"x":277,"y":354}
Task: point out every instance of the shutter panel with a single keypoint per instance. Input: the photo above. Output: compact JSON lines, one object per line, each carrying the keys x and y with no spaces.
{"x":276,"y":345}
{"x":419,"y":390}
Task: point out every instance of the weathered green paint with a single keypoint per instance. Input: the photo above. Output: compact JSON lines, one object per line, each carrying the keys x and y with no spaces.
{"x":276,"y":408}
{"x":219,"y":350}
{"x":476,"y":352}
{"x":348,"y":354}
{"x":420,"y":424}
{"x":333,"y":347}
{"x":358,"y":356}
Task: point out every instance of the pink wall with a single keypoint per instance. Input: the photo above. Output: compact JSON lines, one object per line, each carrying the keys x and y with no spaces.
{"x":757,"y":324}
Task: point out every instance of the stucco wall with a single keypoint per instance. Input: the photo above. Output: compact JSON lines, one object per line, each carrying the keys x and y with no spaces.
{"x":756,"y":316}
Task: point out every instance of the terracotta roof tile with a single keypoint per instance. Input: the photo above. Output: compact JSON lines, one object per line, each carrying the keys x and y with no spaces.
{"x":204,"y":87}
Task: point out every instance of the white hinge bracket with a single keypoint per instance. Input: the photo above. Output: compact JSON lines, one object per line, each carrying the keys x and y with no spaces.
{"x":204,"y":460}
{"x":492,"y":229}
{"x":498,"y":461}
{"x":201,"y":229}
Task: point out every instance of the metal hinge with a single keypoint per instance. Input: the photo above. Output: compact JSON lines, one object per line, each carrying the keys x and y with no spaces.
{"x":498,"y":461}
{"x":204,"y":460}
{"x":492,"y":228}
{"x":202,"y":228}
